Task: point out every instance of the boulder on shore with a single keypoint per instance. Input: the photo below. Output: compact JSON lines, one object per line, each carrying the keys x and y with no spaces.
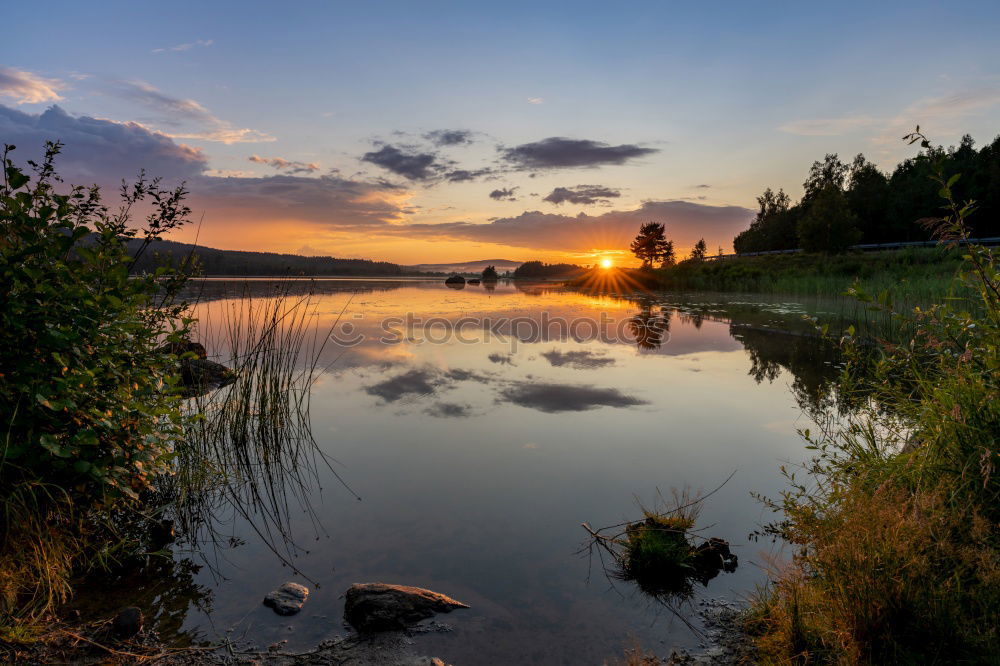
{"x":127,"y":623}
{"x":287,"y":599}
{"x":372,"y":607}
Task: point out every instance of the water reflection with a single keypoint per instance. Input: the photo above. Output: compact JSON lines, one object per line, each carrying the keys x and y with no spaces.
{"x":479,"y":449}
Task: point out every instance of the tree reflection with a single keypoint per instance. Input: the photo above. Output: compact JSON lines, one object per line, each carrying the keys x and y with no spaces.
{"x":812,"y":361}
{"x":650,"y":327}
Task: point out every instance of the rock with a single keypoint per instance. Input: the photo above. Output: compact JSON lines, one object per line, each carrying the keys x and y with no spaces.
{"x":455,"y":279}
{"x":287,"y":599}
{"x":127,"y":623}
{"x":715,"y":554}
{"x":374,"y":607}
{"x":199,"y":376}
{"x":183,"y":347}
{"x":161,"y":533}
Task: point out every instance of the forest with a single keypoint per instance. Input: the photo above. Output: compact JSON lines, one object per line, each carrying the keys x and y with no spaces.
{"x":845,"y":204}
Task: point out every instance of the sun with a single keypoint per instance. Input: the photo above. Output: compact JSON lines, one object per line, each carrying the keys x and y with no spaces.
{"x":607,"y":263}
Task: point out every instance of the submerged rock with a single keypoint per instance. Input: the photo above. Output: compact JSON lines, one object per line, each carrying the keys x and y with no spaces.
{"x":199,"y":376}
{"x":287,"y":599}
{"x":128,"y":622}
{"x":372,"y":607}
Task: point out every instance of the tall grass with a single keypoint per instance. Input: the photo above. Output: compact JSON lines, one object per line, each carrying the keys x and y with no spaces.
{"x":894,"y":527}
{"x":249,"y":450}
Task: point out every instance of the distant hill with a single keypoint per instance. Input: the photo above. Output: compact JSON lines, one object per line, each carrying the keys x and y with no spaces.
{"x":238,"y":262}
{"x":501,"y":265}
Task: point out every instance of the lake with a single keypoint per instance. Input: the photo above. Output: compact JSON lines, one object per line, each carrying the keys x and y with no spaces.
{"x":480,"y":427}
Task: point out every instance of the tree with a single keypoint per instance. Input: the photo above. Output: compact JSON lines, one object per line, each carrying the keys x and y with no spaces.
{"x":868,"y":198}
{"x":651,"y":245}
{"x":699,"y":251}
{"x":773,"y":227}
{"x":831,"y":172}
{"x":490,"y":274}
{"x":828,"y":225}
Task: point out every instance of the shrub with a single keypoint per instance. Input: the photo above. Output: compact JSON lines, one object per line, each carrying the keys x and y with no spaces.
{"x":86,"y":391}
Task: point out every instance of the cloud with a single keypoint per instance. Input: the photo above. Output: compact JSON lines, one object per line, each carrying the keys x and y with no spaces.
{"x":502,"y":359}
{"x":553,"y":398}
{"x":328,"y":202}
{"x":184,"y":47}
{"x":466,"y":175}
{"x":101,"y":151}
{"x":449,"y":137}
{"x":416,"y":382}
{"x":938,"y":115}
{"x":177,"y":111}
{"x":27,"y":88}
{"x":504,"y":194}
{"x":560,"y":153}
{"x":403,"y":162}
{"x":449,"y":410}
{"x":104,"y":152}
{"x":582,"y":194}
{"x":580,"y":359}
{"x":536,"y":100}
{"x":686,"y":222}
{"x":281,"y":164}
{"x":827,"y":126}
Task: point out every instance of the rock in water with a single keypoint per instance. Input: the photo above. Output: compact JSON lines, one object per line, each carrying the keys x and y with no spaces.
{"x":382,"y":607}
{"x":127,"y":623}
{"x":287,"y":599}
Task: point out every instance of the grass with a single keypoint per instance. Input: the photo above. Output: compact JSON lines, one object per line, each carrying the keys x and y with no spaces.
{"x":249,"y":451}
{"x":912,"y":275}
{"x":894,"y":525}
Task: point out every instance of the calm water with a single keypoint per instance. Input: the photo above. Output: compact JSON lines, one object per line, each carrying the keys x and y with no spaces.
{"x":477,"y":456}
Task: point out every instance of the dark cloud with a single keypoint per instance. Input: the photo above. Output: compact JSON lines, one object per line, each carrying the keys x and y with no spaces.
{"x":419,"y":381}
{"x":404,"y":162}
{"x":502,"y":359}
{"x":104,"y":152}
{"x":99,"y":151}
{"x":504,"y":194}
{"x":582,"y":194}
{"x":449,"y":410}
{"x":449,"y":137}
{"x":329,"y":201}
{"x":580,"y":359}
{"x":552,"y":398}
{"x":465,"y":175}
{"x":560,"y":153}
{"x":686,"y":222}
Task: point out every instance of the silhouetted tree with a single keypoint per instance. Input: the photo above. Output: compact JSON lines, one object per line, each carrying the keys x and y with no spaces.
{"x":651,"y":245}
{"x":828,"y":225}
{"x":868,"y":199}
{"x":490,"y":274}
{"x":699,"y":251}
{"x":831,"y":172}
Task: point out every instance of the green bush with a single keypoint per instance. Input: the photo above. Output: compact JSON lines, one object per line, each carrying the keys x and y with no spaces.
{"x":87,"y":397}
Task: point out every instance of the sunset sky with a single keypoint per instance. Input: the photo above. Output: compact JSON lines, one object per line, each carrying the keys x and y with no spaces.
{"x":426,"y":132}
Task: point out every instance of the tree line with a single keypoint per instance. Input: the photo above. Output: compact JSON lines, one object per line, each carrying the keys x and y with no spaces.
{"x":846,"y":204}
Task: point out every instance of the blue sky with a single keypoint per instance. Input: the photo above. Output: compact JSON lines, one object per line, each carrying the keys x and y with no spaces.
{"x":730,"y":95}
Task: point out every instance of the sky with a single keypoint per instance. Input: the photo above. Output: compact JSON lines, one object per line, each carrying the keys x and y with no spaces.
{"x":434,"y":132}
